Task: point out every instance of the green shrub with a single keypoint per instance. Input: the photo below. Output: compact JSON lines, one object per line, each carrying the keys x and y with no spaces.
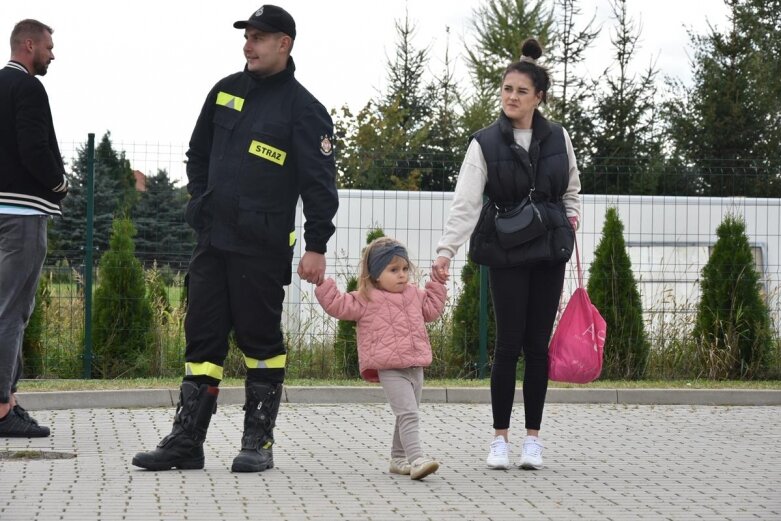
{"x":122,"y":316}
{"x":465,"y":345}
{"x":33,"y":342}
{"x":613,"y":290}
{"x":732,"y":329}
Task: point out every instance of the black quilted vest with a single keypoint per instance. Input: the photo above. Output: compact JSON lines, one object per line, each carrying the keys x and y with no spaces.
{"x":509,"y":181}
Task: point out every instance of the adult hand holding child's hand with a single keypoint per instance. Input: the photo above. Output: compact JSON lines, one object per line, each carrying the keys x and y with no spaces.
{"x":440,"y":270}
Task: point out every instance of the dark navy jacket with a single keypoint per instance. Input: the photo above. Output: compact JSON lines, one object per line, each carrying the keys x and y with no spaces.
{"x":258,"y":144}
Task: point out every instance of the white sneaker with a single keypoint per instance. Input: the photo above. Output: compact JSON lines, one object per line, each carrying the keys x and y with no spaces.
{"x":531,"y":456}
{"x":422,"y":467}
{"x":399,"y":466}
{"x":499,"y":454}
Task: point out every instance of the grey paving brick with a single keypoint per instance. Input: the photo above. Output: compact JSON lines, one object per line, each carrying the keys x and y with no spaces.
{"x":610,"y":461}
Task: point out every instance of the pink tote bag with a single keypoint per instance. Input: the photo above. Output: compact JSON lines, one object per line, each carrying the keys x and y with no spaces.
{"x":575,"y":352}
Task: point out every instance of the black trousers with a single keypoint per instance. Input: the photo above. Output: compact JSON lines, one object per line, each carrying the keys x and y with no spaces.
{"x":231,"y":291}
{"x":525,"y":304}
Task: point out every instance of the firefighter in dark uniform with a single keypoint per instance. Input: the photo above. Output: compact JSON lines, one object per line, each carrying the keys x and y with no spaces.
{"x":261,"y":141}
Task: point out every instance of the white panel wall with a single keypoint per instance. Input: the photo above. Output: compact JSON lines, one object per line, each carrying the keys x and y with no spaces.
{"x":668,"y":240}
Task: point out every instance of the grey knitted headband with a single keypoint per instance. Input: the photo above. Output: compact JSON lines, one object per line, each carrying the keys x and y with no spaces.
{"x":381,"y":255}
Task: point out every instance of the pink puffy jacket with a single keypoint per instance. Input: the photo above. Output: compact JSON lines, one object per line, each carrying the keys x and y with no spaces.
{"x":391,"y":326}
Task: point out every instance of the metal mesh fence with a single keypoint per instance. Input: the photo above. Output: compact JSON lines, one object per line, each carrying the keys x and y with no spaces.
{"x":670,"y":230}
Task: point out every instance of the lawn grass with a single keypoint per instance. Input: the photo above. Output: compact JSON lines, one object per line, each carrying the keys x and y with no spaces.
{"x":173,"y":383}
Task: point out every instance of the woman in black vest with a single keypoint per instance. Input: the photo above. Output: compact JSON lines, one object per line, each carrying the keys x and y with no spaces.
{"x":520,"y":155}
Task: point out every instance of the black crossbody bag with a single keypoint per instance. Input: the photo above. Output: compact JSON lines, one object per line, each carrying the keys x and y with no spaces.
{"x":520,"y":223}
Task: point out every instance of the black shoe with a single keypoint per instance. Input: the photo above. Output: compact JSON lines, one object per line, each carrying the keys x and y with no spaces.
{"x":19,"y":424}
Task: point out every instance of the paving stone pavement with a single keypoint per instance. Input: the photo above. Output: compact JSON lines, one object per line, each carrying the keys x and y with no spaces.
{"x":603,"y":462}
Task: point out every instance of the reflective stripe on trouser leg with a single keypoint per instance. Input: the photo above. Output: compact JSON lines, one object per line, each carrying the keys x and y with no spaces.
{"x":203,"y":369}
{"x":275,"y":362}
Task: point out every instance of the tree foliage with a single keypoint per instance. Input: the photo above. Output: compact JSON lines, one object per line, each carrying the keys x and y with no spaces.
{"x":733,"y":322}
{"x":613,"y":290}
{"x":570,"y":99}
{"x":114,"y":193}
{"x":730,"y":118}
{"x":447,"y":139}
{"x":122,"y":316}
{"x":466,"y":323}
{"x":626,"y":148}
{"x":383,"y":146}
{"x":500,"y":27}
{"x":163,"y":235}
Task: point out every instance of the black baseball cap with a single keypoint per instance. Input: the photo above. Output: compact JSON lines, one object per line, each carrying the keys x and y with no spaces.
{"x":271,"y":19}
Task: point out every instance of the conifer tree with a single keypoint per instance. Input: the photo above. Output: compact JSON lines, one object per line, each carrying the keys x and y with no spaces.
{"x":733,"y":322}
{"x":466,"y":322}
{"x":382,"y":147}
{"x":114,"y":193}
{"x":613,"y":290}
{"x":499,"y":27}
{"x":729,"y":120}
{"x":158,"y":216}
{"x":625,"y":117}
{"x":446,"y":141}
{"x":571,"y":93}
{"x":122,"y":316}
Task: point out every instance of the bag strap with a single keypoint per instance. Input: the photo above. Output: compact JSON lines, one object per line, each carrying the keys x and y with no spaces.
{"x":516,"y":151}
{"x":580,"y":276}
{"x":577,"y":258}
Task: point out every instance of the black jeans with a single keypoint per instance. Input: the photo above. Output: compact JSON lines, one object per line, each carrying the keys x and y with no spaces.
{"x":525,"y":304}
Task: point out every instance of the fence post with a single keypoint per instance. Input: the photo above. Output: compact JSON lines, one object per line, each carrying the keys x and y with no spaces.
{"x":483,"y":321}
{"x":88,"y":256}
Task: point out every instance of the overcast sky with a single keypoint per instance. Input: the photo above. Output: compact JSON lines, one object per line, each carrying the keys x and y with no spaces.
{"x":142,"y":68}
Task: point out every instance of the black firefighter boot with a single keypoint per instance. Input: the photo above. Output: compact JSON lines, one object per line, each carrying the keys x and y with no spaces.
{"x":260,"y":416}
{"x":183,"y":448}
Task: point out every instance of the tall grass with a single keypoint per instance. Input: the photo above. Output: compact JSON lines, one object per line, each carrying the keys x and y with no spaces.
{"x":674,"y":354}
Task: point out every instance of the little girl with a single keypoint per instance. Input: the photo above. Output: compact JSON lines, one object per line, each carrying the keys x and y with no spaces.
{"x":393,"y":345}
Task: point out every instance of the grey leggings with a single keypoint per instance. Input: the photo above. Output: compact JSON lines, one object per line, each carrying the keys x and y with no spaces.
{"x":403,"y":388}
